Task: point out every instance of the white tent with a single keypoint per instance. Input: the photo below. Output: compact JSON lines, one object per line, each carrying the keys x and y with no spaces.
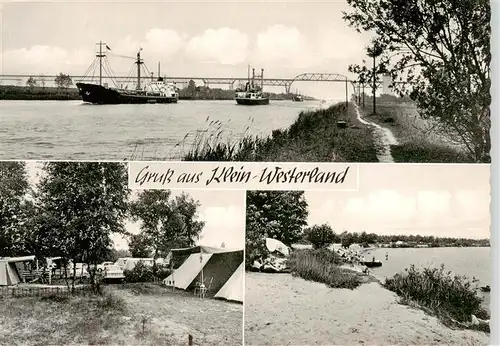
{"x":9,"y":274}
{"x":212,"y":266}
{"x":233,"y":289}
{"x":187,"y":272}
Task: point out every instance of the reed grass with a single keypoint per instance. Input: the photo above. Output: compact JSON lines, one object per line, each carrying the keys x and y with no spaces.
{"x":451,"y":297}
{"x":313,"y":137}
{"x":322,"y":266}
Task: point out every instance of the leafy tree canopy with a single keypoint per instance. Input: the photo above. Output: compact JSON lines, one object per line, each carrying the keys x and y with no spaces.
{"x":167,"y":222}
{"x":441,"y":50}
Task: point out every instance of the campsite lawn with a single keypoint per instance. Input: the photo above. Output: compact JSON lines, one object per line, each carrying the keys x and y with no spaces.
{"x":131,"y":314}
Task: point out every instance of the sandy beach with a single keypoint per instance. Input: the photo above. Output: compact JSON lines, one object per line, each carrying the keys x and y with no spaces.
{"x":284,"y":310}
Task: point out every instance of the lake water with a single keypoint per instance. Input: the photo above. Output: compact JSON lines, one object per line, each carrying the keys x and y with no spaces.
{"x":472,"y":262}
{"x":72,"y":130}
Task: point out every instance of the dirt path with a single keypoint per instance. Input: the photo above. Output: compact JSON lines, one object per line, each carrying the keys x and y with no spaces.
{"x":383,"y":137}
{"x":283,"y":310}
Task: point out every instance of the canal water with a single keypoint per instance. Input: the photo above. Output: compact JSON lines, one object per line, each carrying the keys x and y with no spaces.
{"x":72,"y":130}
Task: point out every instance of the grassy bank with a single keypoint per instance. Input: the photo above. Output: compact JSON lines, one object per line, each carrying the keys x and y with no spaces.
{"x":61,"y":320}
{"x":452,"y":298}
{"x":314,"y":137}
{"x":417,"y":142}
{"x":323,"y":266}
{"x":10,"y":92}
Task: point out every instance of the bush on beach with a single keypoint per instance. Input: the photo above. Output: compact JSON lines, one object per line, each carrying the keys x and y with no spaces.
{"x":322,"y":266}
{"x":319,"y":235}
{"x":451,"y":297}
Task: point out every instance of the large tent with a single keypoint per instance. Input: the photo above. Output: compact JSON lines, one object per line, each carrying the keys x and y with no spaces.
{"x":208,"y":265}
{"x":9,"y":273}
{"x":234,"y":287}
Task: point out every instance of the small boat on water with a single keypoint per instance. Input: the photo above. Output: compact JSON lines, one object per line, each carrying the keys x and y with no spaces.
{"x":101,"y":93}
{"x":297,"y":97}
{"x":371,"y":264}
{"x":252,"y":94}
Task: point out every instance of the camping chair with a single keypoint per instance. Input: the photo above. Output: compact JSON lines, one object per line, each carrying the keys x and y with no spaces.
{"x":201,"y":289}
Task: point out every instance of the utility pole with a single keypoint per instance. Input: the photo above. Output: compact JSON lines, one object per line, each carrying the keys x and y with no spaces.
{"x":374,"y":85}
{"x":373,"y":52}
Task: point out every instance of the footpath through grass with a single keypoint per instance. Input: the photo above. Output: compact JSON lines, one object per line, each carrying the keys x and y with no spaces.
{"x":452,"y":298}
{"x":314,"y":137}
{"x":417,"y":141}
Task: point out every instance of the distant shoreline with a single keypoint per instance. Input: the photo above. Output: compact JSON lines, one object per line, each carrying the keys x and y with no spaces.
{"x":38,"y":93}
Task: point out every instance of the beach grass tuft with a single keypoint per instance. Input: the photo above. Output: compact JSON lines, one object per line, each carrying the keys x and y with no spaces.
{"x":451,"y":297}
{"x":323,"y":266}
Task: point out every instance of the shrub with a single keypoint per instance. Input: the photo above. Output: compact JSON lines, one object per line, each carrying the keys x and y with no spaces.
{"x":162,"y":272}
{"x":451,"y":297}
{"x":320,"y":236}
{"x":322,"y":266}
{"x":111,"y":302}
{"x":141,"y":273}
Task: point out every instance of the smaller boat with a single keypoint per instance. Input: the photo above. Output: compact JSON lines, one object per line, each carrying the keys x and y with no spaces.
{"x":252,"y":94}
{"x":486,"y":288}
{"x":371,"y":264}
{"x":297,"y":97}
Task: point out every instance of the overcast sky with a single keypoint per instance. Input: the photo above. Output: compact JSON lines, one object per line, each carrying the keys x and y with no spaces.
{"x":222,"y":211}
{"x":205,"y":39}
{"x":439,"y":200}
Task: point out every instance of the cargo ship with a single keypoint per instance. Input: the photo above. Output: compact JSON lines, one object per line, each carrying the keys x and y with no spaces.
{"x":252,"y":94}
{"x":150,"y":91}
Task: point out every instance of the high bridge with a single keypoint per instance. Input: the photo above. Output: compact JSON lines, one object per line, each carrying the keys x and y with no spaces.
{"x":207,"y":81}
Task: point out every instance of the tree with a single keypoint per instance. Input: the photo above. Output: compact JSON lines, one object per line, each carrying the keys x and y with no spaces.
{"x":191,"y":88}
{"x":15,"y":209}
{"x":42,"y":80}
{"x":63,"y":81}
{"x":320,"y":235}
{"x":273,"y":214}
{"x":167,"y":222}
{"x":442,"y":51}
{"x":31,"y":82}
{"x":80,"y":205}
{"x":139,"y":245}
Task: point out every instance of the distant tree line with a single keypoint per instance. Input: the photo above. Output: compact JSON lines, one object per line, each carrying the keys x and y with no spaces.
{"x":321,"y":235}
{"x":282,"y":215}
{"x":194,"y":92}
{"x":75,"y":208}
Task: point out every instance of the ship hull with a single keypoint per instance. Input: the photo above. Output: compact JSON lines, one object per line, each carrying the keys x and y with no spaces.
{"x":252,"y":102}
{"x":98,"y":94}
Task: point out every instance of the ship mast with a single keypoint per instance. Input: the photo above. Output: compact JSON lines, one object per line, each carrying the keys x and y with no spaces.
{"x":261,"y":79}
{"x":158,"y":70}
{"x":100,"y":55}
{"x":139,"y":62}
{"x":253,"y":78}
